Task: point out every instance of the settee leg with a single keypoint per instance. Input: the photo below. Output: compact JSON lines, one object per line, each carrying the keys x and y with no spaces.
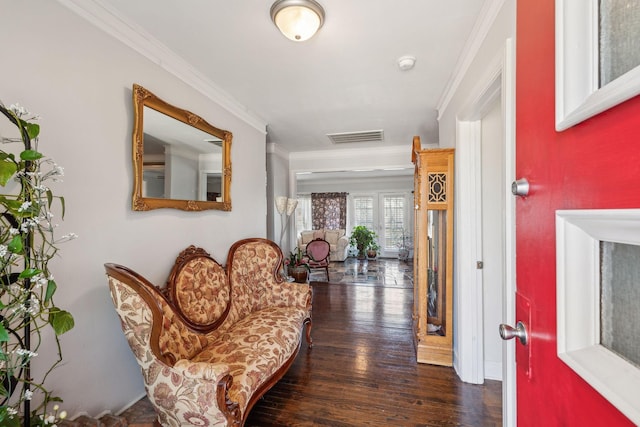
{"x":230,"y":409}
{"x":308,"y":332}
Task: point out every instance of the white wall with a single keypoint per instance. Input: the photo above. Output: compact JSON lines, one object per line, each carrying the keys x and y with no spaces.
{"x":79,"y":80}
{"x":488,"y":54}
{"x":278,"y":185}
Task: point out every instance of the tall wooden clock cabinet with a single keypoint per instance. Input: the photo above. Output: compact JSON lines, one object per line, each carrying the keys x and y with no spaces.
{"x":433,"y":254}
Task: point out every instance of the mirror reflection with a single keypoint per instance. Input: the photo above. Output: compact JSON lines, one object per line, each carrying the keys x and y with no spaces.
{"x":180,"y":160}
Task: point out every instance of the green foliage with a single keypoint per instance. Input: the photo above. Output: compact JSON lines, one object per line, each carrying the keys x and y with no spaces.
{"x":27,"y":287}
{"x":361,"y":238}
{"x":297,"y":259}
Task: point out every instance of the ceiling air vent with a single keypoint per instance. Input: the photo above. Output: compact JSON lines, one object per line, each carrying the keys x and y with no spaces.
{"x":362,"y":136}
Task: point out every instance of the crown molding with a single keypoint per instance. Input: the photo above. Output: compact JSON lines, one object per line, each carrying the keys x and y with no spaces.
{"x":481,"y":28}
{"x":110,"y":21}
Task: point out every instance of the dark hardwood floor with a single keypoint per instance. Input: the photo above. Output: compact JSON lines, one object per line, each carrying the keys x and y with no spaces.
{"x":362,"y":369}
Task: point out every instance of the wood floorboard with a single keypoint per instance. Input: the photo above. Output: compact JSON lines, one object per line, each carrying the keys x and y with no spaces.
{"x":362,"y":370}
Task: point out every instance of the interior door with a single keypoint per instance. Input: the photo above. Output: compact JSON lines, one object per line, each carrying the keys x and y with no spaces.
{"x":588,"y":166}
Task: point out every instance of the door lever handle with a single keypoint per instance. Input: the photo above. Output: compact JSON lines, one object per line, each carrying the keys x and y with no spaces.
{"x":508,"y":332}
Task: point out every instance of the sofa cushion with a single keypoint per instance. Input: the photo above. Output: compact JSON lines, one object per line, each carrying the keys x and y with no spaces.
{"x":307,"y":236}
{"x":255,"y":348}
{"x":318,"y":234}
{"x":202,"y":290}
{"x":332,"y":236}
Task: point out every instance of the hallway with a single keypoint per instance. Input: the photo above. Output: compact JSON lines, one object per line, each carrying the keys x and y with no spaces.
{"x":362,"y":368}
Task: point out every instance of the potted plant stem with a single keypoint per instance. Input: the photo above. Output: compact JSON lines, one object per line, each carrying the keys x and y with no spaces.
{"x":27,"y":286}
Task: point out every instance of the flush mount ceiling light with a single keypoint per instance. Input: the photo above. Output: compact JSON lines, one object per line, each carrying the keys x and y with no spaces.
{"x":298,"y":20}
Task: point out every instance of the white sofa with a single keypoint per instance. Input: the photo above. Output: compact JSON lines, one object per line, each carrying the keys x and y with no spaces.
{"x":337,"y":240}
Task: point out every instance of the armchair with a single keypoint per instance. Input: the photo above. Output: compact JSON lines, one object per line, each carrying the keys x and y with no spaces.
{"x":338,"y":242}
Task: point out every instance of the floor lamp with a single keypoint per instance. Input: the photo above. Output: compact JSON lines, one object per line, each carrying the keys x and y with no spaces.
{"x":285,"y":207}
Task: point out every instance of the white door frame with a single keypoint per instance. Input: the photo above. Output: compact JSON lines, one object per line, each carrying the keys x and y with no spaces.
{"x":468,"y":299}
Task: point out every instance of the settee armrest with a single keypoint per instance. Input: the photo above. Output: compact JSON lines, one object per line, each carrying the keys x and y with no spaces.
{"x":343,"y":242}
{"x":201,"y":370}
{"x":185,"y":382}
{"x":290,"y":294}
{"x":254,"y":267}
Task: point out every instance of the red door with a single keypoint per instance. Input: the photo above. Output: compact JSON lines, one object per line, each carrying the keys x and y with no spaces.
{"x":593,"y":165}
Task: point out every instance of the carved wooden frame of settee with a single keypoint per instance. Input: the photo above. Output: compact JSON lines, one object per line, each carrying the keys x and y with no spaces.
{"x":163,"y":306}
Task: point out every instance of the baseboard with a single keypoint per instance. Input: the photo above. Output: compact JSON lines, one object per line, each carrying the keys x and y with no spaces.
{"x":129,"y":405}
{"x":493,"y":370}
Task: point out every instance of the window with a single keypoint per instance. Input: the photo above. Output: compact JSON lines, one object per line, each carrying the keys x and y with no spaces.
{"x":363,"y":211}
{"x":394,"y":222}
{"x":303,"y":213}
{"x":596,"y":263}
{"x":596,"y":57}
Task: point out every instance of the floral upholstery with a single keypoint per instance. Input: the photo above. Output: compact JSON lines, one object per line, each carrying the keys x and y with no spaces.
{"x":253,"y":273}
{"x":201,"y":290}
{"x":212,"y":376}
{"x":179,"y":399}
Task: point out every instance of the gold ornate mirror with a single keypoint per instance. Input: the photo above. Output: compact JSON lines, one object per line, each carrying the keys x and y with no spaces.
{"x":179,"y":160}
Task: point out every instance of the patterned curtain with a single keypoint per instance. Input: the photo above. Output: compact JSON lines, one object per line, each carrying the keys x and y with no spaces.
{"x":329,"y":210}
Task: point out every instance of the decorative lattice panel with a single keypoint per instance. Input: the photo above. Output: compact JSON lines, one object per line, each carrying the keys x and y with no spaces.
{"x":437,"y":187}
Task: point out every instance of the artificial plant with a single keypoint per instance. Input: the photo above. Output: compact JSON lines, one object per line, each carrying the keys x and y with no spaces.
{"x":27,"y":286}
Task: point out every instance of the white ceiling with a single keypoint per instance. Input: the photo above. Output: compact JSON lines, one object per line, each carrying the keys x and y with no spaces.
{"x":345,"y":79}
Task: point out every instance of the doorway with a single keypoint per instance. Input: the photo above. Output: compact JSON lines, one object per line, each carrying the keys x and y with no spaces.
{"x":485,"y":233}
{"x":387,"y":213}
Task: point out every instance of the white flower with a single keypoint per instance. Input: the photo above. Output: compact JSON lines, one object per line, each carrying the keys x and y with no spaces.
{"x":24,"y":206}
{"x":39,"y":281}
{"x":3,"y":250}
{"x":66,"y":238}
{"x":11,"y":411}
{"x":13,"y":231}
{"x":63,"y":415}
{"x":28,"y":394}
{"x":25,"y":352}
{"x":18,"y":109}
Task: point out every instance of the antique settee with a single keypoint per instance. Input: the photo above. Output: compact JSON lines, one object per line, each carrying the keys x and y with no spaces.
{"x":337,"y":239}
{"x":212,"y":341}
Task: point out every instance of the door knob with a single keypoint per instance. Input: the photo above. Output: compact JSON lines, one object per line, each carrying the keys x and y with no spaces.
{"x":509,"y":332}
{"x":520,"y":187}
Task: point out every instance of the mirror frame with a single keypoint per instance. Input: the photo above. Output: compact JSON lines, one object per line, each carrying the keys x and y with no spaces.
{"x":141,"y":98}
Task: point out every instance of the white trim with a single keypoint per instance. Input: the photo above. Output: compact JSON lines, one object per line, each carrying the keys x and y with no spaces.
{"x":483,"y":25}
{"x":110,"y":21}
{"x":509,"y":391}
{"x":493,"y":371}
{"x":578,"y":236}
{"x":577,"y":95}
{"x":468,"y":294}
